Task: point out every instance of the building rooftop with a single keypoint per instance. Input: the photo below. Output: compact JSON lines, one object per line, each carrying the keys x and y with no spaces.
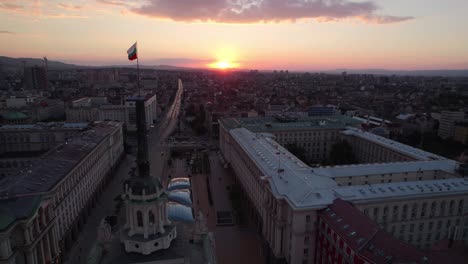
{"x":267,"y":124}
{"x":448,"y":166}
{"x":303,"y":186}
{"x":45,"y":126}
{"x":416,"y":153}
{"x":14,"y":116}
{"x":366,"y":238}
{"x":56,"y":164}
{"x":17,"y":208}
{"x":400,"y":190}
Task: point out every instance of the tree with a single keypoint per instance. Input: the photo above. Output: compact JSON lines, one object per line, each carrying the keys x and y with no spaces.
{"x":342,"y":154}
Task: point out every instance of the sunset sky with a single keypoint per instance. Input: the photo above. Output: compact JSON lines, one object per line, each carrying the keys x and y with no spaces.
{"x":254,"y":34}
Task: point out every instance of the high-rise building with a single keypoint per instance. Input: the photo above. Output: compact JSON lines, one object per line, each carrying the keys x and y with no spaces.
{"x":35,"y":78}
{"x":150,"y":104}
{"x":447,"y":122}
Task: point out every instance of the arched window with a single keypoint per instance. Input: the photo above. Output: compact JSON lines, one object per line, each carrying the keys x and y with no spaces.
{"x":151,"y":217}
{"x":139,"y":218}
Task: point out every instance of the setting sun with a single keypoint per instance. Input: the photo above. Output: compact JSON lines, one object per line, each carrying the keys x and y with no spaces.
{"x":223,"y":65}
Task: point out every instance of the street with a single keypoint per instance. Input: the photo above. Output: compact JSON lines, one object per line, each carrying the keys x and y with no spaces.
{"x":234,"y":244}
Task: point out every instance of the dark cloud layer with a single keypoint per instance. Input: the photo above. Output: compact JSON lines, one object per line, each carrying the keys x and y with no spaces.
{"x":252,"y":11}
{"x":6,"y":32}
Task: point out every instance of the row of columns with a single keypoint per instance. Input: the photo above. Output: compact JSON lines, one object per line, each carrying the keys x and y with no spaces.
{"x":46,"y":249}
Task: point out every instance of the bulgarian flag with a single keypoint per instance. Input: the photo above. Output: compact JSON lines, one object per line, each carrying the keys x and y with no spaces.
{"x":132,"y":52}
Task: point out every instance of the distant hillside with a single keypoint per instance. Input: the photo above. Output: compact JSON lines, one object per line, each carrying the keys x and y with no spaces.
{"x":447,"y":73}
{"x":16,"y":63}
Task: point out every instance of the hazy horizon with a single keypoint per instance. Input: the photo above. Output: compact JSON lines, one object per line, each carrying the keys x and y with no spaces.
{"x":290,"y":34}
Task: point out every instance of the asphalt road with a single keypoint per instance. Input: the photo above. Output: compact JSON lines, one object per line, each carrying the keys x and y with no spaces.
{"x":158,"y":136}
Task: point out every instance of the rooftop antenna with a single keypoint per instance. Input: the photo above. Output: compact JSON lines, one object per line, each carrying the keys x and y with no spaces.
{"x":46,"y":63}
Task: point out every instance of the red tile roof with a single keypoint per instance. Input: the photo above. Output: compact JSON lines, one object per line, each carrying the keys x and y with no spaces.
{"x":367,"y":239}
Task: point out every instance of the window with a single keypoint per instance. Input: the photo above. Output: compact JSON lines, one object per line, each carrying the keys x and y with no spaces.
{"x":405,"y":210}
{"x":306,"y":240}
{"x":306,"y":252}
{"x":307,"y":218}
{"x":151,"y":217}
{"x":139,"y":218}
{"x":413,"y":210}
{"x":452,"y":207}
{"x":423,"y":209}
{"x":433,"y":208}
{"x":376,"y":212}
{"x":442,"y":208}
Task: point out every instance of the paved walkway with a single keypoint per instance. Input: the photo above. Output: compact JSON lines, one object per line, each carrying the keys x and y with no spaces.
{"x":104,"y":207}
{"x":233,"y":244}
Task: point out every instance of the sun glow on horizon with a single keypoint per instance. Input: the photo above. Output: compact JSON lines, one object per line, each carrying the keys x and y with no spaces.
{"x":226,"y":58}
{"x":223,"y":65}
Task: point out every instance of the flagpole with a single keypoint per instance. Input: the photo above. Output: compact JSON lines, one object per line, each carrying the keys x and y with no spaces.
{"x":138,"y":75}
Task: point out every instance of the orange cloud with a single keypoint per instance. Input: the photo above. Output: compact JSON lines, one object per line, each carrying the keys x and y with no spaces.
{"x":253,"y":11}
{"x":69,"y":6}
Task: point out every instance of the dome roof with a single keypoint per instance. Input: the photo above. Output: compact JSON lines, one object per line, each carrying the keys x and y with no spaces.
{"x":183,"y":196}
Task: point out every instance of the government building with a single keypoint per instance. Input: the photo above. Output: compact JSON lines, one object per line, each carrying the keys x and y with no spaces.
{"x":43,"y":207}
{"x":305,"y":213}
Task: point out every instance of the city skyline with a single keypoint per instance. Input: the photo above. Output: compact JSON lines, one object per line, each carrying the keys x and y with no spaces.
{"x":294,"y":34}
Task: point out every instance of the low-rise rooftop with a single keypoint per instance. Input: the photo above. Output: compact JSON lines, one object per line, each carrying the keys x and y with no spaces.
{"x":55,"y":164}
{"x":416,"y":153}
{"x":44,"y":126}
{"x":270,"y":124}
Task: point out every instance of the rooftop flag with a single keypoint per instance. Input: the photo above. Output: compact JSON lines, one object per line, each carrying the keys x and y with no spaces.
{"x":132,"y":52}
